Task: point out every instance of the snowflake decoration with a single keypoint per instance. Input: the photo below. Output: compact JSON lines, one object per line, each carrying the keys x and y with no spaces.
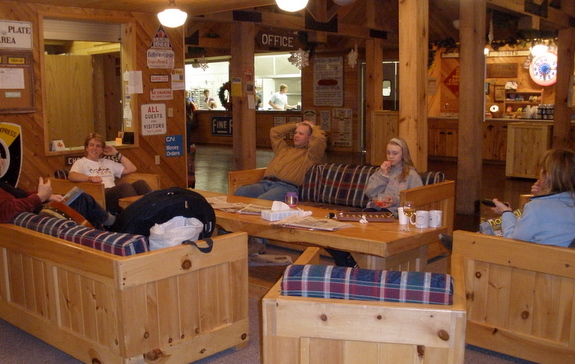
{"x":352,"y":57}
{"x":203,"y":63}
{"x":299,"y":58}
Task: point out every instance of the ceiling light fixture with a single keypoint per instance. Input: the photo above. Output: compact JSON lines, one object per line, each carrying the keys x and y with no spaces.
{"x":172,"y":17}
{"x":291,"y":5}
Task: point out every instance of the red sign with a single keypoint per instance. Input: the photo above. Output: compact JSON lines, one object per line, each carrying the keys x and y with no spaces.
{"x":452,"y":81}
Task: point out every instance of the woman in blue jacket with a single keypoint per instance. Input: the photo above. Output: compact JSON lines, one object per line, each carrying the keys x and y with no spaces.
{"x":549,"y":217}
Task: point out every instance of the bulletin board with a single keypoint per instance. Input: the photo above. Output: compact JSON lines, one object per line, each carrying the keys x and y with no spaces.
{"x":16,"y":82}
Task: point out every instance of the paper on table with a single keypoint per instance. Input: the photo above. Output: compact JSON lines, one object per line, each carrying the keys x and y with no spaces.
{"x":311,"y":223}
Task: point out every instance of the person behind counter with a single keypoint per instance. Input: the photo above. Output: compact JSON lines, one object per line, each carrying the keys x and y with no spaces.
{"x":97,"y":169}
{"x":279,"y":100}
{"x":209,"y":102}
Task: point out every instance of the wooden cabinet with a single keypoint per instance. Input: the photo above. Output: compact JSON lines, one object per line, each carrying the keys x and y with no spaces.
{"x":494,"y":140}
{"x":526,"y":141}
{"x":442,"y":137}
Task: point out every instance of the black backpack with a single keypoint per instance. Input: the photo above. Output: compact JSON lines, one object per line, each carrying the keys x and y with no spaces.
{"x":159,"y":206}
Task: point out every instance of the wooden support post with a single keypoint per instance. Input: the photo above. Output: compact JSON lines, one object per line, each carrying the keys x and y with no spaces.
{"x":241,"y":75}
{"x":413,"y":49}
{"x":472,"y":15}
{"x":563,"y":86}
{"x":373,"y":95}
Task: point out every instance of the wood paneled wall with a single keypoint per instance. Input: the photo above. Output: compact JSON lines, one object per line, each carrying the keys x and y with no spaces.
{"x":137,"y":37}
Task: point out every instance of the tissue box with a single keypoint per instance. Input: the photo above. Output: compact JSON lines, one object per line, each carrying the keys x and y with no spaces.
{"x":277,"y":215}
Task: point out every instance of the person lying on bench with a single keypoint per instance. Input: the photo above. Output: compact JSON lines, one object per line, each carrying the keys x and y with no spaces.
{"x":14,"y":201}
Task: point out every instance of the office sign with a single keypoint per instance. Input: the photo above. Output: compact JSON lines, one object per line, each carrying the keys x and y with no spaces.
{"x":269,"y":39}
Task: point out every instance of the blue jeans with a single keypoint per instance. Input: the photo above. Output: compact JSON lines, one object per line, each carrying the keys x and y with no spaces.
{"x":266,"y":190}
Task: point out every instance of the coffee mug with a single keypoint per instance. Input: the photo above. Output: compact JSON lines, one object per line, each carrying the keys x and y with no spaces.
{"x":401,"y":216}
{"x":435,"y":218}
{"x":421,"y":219}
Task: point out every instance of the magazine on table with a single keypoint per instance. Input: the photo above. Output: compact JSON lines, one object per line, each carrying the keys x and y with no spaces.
{"x":311,"y":223}
{"x":72,"y":195}
{"x":220,"y":203}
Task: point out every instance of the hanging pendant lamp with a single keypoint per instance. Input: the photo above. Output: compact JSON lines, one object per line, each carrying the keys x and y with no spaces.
{"x":172,"y":17}
{"x":291,"y":5}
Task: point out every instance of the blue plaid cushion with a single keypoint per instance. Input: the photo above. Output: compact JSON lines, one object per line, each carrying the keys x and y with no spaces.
{"x":344,"y":184}
{"x":106,"y":241}
{"x":61,"y":173}
{"x":42,"y":223}
{"x":327,"y":281}
{"x":308,"y":191}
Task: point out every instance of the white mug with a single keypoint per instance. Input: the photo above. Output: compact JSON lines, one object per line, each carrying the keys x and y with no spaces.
{"x":421,"y":219}
{"x":401,"y":216}
{"x":435,"y":218}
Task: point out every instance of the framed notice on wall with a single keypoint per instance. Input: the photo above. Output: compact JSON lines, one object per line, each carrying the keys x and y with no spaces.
{"x":16,"y":82}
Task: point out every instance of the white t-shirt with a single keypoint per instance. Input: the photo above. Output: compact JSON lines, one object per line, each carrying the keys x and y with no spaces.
{"x":279,"y":99}
{"x":103,"y":167}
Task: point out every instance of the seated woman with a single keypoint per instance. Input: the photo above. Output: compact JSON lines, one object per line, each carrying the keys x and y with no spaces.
{"x":14,"y":201}
{"x":397,"y":173}
{"x":549,"y":218}
{"x":96,"y":169}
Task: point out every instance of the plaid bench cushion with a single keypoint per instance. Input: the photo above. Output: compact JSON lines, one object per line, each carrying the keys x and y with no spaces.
{"x":344,"y":184}
{"x":106,"y":241}
{"x":45,"y":224}
{"x":326,"y":281}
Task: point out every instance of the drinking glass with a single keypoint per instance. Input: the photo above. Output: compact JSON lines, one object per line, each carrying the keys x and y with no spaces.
{"x":408,"y":211}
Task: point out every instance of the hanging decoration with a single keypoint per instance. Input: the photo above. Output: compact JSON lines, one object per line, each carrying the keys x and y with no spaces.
{"x":299,"y":58}
{"x":203,"y":63}
{"x":224,"y":95}
{"x":352,"y":57}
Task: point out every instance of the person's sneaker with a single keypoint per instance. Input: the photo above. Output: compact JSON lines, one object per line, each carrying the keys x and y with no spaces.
{"x":256,"y":246}
{"x":446,"y":240}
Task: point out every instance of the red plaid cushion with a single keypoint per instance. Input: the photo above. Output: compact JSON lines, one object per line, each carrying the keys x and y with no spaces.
{"x":106,"y":241}
{"x":327,"y":281}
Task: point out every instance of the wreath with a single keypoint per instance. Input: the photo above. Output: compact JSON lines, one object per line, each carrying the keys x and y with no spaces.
{"x":224,"y":95}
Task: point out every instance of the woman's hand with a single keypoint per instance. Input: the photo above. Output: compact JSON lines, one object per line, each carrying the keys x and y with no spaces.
{"x":385,"y":168}
{"x":95,"y":179}
{"x":110,"y":150}
{"x":536,"y":188}
{"x":500,"y":207}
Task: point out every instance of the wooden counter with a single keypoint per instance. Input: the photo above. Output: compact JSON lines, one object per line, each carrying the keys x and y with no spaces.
{"x":208,"y":133}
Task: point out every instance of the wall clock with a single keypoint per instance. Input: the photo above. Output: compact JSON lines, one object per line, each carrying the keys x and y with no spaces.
{"x":543,"y":69}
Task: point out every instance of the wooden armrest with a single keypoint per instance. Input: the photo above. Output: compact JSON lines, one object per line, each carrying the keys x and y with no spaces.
{"x":244,"y":177}
{"x":437,"y":196}
{"x":523,"y":199}
{"x":96,"y":190}
{"x":152,"y":179}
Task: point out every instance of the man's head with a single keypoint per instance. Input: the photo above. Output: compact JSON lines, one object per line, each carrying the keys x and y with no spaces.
{"x":283,"y":88}
{"x":302,"y":134}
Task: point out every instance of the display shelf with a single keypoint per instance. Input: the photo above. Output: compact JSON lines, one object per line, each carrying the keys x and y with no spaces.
{"x":520,"y":99}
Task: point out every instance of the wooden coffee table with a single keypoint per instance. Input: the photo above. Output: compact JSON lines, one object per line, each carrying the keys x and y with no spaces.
{"x":375,"y":245}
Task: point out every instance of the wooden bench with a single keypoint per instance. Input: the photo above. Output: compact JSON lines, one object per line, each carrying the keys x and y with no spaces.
{"x":436,"y":196}
{"x":96,"y":190}
{"x":321,"y":330}
{"x":520,"y":296}
{"x":174,"y":305}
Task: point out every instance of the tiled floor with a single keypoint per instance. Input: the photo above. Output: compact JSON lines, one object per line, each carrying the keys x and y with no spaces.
{"x":214,"y":162}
